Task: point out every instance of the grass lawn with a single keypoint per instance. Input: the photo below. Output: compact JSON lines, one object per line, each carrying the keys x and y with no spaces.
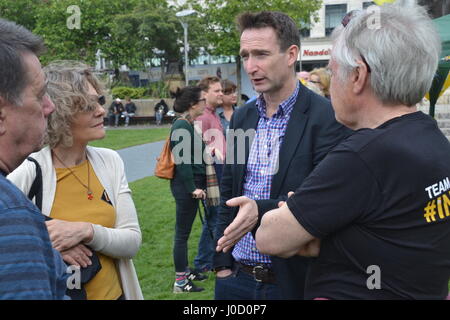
{"x":154,"y":262}
{"x":119,"y":139}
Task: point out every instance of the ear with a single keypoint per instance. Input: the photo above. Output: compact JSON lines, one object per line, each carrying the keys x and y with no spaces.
{"x":292,"y":54}
{"x":360,"y":77}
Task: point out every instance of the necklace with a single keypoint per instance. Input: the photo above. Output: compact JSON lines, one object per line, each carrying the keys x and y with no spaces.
{"x":88,"y":187}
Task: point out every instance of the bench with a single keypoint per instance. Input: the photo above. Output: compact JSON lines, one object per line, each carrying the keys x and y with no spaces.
{"x":141,"y":120}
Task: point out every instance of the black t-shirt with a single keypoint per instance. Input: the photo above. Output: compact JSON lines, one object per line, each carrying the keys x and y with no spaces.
{"x":381,"y":199}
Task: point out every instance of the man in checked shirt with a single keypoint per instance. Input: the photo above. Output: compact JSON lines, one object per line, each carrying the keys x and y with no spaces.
{"x":293,"y":129}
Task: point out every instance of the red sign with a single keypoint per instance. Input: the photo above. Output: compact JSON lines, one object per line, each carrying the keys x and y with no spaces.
{"x":311,"y":53}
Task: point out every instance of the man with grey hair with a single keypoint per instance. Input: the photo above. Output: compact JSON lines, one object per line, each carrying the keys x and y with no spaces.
{"x":29,"y":267}
{"x":377,"y":208}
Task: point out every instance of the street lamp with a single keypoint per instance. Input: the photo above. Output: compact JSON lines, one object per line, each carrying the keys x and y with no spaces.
{"x":181,"y":15}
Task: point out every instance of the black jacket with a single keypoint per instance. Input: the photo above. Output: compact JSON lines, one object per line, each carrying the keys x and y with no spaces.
{"x":311,"y":133}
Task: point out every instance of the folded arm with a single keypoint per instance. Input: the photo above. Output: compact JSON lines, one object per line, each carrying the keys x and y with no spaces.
{"x":280,"y":234}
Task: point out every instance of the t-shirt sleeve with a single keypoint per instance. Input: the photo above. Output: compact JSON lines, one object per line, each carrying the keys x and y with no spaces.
{"x":339,"y":191}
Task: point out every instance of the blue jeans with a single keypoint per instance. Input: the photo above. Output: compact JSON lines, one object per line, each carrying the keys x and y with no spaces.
{"x":206,"y":245}
{"x":243,"y":286}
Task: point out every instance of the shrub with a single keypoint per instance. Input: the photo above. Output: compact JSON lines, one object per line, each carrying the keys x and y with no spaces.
{"x":159,"y":89}
{"x":133,"y":93}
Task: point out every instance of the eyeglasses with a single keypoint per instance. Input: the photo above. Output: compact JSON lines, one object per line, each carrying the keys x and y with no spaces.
{"x":101,"y":100}
{"x":345,"y":21}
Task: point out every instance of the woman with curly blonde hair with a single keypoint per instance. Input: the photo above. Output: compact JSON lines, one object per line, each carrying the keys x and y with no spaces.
{"x":85,"y":191}
{"x":321,"y":78}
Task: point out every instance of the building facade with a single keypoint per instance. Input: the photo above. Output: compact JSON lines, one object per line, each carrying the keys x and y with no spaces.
{"x":316,"y":42}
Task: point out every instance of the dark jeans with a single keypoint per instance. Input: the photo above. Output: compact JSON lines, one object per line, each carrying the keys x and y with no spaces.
{"x":113,"y":118}
{"x":206,"y":246}
{"x":219,"y":170}
{"x":186,"y":210}
{"x":243,"y":286}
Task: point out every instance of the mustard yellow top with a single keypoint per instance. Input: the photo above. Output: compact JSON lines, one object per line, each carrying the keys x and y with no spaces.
{"x":72,"y":204}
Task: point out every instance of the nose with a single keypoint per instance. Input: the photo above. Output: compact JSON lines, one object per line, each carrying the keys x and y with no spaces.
{"x":250,"y":65}
{"x":48,"y":105}
{"x":100,"y":111}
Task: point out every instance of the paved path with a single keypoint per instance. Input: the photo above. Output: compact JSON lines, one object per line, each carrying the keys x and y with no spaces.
{"x":140,"y":161}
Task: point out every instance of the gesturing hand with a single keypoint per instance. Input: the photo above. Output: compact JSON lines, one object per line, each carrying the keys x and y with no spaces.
{"x":244,"y":222}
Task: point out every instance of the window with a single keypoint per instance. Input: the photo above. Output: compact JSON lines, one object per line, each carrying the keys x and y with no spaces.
{"x":305,"y":33}
{"x":333,"y":16}
{"x":368,"y":4}
{"x":305,"y":29}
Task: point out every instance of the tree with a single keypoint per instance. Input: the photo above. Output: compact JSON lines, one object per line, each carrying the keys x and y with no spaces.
{"x":220,"y":21}
{"x":158,"y":32}
{"x":77,"y":29}
{"x":22,"y":12}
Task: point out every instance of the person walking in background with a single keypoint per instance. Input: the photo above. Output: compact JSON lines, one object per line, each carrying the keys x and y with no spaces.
{"x":321,"y":79}
{"x":375,"y":211}
{"x":130,"y":111}
{"x":294,"y":130}
{"x":189,"y":182}
{"x":229,"y":100}
{"x":29,"y":267}
{"x":85,"y":191}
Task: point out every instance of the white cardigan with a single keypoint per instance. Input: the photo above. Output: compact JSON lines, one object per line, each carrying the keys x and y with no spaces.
{"x":121,"y":242}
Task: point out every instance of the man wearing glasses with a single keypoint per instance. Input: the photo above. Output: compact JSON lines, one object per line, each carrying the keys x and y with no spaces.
{"x":376,"y":211}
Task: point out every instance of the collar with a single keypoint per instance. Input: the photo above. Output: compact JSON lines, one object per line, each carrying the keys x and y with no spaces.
{"x":283,"y":109}
{"x":210,"y":109}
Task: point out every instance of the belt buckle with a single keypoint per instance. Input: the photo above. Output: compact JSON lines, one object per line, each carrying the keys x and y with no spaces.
{"x":258,"y":273}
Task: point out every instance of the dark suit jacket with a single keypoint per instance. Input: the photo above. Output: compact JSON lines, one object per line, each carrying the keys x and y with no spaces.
{"x":311,"y":133}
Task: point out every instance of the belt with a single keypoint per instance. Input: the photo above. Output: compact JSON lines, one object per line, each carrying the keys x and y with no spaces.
{"x":260,"y":272}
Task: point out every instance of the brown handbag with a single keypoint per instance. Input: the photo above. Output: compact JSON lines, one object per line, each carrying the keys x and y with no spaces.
{"x":165,"y":164}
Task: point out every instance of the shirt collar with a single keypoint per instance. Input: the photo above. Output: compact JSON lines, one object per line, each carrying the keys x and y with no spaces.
{"x":210,"y":109}
{"x":283,"y":109}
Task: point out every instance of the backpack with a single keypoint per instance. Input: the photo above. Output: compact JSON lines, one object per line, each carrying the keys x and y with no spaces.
{"x":36,"y":187}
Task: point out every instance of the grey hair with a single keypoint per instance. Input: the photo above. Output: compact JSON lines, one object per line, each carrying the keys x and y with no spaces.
{"x":68,"y":88}
{"x":403,"y":52}
{"x":15,"y":40}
